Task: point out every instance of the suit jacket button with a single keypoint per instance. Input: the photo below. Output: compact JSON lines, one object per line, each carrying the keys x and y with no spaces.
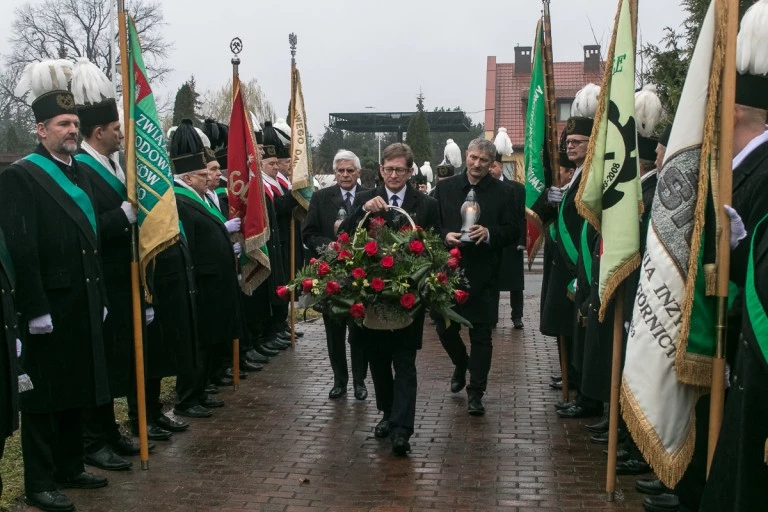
{"x":83,"y":251}
{"x":87,"y":280}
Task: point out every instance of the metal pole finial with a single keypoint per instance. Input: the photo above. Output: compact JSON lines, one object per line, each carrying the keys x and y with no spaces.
{"x":293,"y":41}
{"x":236,"y":46}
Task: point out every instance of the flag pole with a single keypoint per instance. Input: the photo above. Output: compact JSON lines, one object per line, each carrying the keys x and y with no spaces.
{"x":235,"y":84}
{"x":725,"y":148}
{"x":550,"y":107}
{"x":292,"y":41}
{"x":130,"y":170}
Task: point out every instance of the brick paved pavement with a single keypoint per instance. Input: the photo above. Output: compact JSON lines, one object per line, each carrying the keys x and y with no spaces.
{"x":282,"y":445}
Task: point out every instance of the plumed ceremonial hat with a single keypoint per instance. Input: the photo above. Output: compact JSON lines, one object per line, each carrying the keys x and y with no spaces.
{"x":648,"y":112}
{"x":94,"y":94}
{"x":583,"y":111}
{"x":47,"y":86}
{"x":187,"y":151}
{"x":218,"y":134}
{"x":445,"y":171}
{"x":752,"y":57}
{"x":272,"y":138}
{"x":452,"y":154}
{"x":503,"y":144}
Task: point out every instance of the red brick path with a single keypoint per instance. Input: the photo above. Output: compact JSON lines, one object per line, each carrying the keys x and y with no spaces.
{"x":282,"y":445}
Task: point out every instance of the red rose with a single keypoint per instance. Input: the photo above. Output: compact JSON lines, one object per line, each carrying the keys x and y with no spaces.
{"x":345,"y":254}
{"x":387,"y":261}
{"x":357,"y":310}
{"x":332,"y":287}
{"x":453,"y":263}
{"x":377,"y":284}
{"x":323,"y":268}
{"x":407,"y":300}
{"x":283,"y":292}
{"x":312,"y":261}
{"x":335,"y":246}
{"x":442,"y":277}
{"x":343,"y":238}
{"x":358,"y":273}
{"x":371,"y":248}
{"x":377,"y":222}
{"x":455,"y":253}
{"x":416,"y":247}
{"x":306,"y":285}
{"x":405,"y":228}
{"x":461,"y":296}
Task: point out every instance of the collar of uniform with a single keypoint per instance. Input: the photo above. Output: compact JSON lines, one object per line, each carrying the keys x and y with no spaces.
{"x":181,"y":183}
{"x":105,"y":161}
{"x":749,"y":148}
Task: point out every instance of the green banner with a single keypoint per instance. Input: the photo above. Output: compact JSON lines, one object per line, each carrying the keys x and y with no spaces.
{"x":535,"y":126}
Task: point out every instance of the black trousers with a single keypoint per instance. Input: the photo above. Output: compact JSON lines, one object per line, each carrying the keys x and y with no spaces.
{"x":52,"y":447}
{"x":100,"y":427}
{"x":152,"y":398}
{"x":395,"y":394}
{"x":478,"y":361}
{"x":516,"y":303}
{"x":190,"y":387}
{"x":336,"y":337}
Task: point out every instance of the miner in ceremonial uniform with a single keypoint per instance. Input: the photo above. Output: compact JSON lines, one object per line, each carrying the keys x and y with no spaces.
{"x":392,"y":354}
{"x":98,"y":156}
{"x":207,"y":232}
{"x":319,"y":230}
{"x":47,"y":215}
{"x":481,"y":260}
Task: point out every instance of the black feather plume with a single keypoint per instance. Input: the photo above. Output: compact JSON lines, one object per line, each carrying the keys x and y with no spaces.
{"x":185,"y":140}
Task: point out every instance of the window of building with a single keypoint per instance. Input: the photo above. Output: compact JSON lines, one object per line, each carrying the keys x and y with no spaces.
{"x":564,"y":109}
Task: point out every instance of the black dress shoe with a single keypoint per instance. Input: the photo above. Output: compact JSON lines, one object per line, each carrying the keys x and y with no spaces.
{"x":106,"y":459}
{"x":602,"y":438}
{"x":662,"y":503}
{"x":222,"y":380}
{"x":337,"y":391}
{"x":298,"y":333}
{"x":632,"y":467}
{"x":253,"y":356}
{"x":197,"y":411}
{"x":580,"y":411}
{"x":555,"y":378}
{"x":248,"y":366}
{"x":560,"y":405}
{"x":599,"y":427}
{"x":400,"y":445}
{"x":170,"y":424}
{"x":229,"y":372}
{"x":84,"y":480}
{"x":557,"y":384}
{"x":126,"y":446}
{"x":518,"y":323}
{"x":361,"y":393}
{"x":381,"y":430}
{"x":49,"y":501}
{"x":651,"y":487}
{"x":286,"y":333}
{"x":212,"y":403}
{"x":211,"y":389}
{"x":621,"y":454}
{"x":475,"y":405}
{"x":154,"y":432}
{"x":261,"y":349}
{"x":283,"y":335}
{"x":274,"y":345}
{"x":458,"y":379}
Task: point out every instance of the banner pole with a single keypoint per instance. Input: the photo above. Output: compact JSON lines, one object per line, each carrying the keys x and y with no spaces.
{"x":725,"y":184}
{"x":130,"y":170}
{"x":613,"y":410}
{"x":551,"y":103}
{"x":292,"y":41}
{"x":236,"y":342}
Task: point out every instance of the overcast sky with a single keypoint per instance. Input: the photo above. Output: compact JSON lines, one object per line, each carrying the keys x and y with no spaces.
{"x":358,"y":54}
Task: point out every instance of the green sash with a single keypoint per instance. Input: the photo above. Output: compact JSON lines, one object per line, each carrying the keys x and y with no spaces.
{"x":102,"y":171}
{"x":220,"y":190}
{"x":755,"y":310}
{"x":77,"y":194}
{"x":205,"y":204}
{"x":565,"y":236}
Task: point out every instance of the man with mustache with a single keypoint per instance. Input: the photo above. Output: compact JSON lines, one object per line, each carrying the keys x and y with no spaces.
{"x":51,"y":229}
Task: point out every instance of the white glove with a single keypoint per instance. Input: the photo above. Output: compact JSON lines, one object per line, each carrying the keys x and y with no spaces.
{"x":41,"y":325}
{"x":738,"y":231}
{"x":233,"y":225}
{"x":520,"y":247}
{"x":555,"y":195}
{"x":237,"y":248}
{"x":104,"y":315}
{"x":149,"y":316}
{"x":128,"y":211}
{"x":18,"y":347}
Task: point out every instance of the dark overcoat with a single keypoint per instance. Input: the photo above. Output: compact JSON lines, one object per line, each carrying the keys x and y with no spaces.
{"x":55,"y":252}
{"x":115,"y":241}
{"x":512,"y":275}
{"x":481,"y":263}
{"x":317,"y":229}
{"x":217,"y":290}
{"x":9,"y":397}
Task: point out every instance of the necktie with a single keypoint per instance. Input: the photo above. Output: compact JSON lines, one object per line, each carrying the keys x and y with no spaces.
{"x":348,"y":201}
{"x":393,"y":201}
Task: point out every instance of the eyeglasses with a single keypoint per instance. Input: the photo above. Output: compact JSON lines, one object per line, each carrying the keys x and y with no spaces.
{"x":575,"y":142}
{"x":350,"y":170}
{"x":397,"y":170}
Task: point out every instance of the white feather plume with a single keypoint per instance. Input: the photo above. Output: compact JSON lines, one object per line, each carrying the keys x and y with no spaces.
{"x":503,"y":143}
{"x":89,"y":83}
{"x":648,"y":110}
{"x":170,"y":133}
{"x":426,"y":170}
{"x":255,"y":122}
{"x":585,"y":103}
{"x":452,"y":153}
{"x":752,"y":42}
{"x":281,"y":127}
{"x":39,"y":78}
{"x":204,"y":138}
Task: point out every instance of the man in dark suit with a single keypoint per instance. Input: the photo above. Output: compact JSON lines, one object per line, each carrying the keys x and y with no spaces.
{"x":327,"y":207}
{"x":394,"y":350}
{"x":207,"y":232}
{"x":481,"y":260}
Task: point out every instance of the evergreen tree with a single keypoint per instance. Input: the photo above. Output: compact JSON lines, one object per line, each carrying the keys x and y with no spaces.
{"x":417,"y":135}
{"x":187,"y":103}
